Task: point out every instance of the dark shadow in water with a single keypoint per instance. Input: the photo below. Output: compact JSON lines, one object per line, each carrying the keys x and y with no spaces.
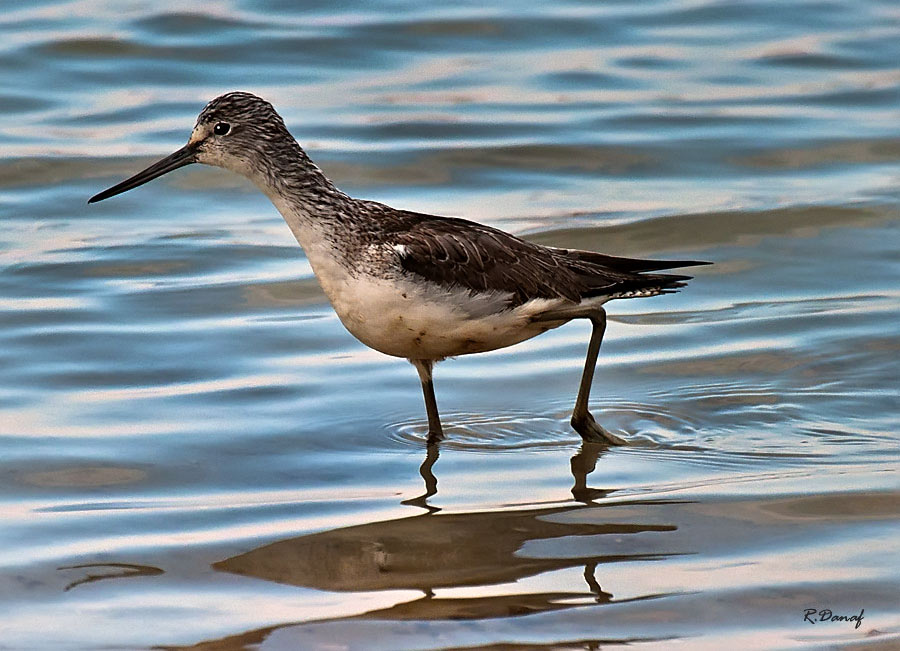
{"x":127,"y":570}
{"x":432,"y":551}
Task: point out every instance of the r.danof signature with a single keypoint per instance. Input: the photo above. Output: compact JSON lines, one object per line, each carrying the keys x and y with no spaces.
{"x":814,"y":616}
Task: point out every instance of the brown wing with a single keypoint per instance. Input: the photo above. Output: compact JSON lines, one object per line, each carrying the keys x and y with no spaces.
{"x":458,"y":253}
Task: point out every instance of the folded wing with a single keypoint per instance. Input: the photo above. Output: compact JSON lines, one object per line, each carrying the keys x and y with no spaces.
{"x":458,"y":253}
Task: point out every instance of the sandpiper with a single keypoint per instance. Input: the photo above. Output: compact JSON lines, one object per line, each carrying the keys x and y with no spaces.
{"x":411,"y":285}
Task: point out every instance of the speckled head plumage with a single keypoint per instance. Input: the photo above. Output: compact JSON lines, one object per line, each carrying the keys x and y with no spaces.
{"x":242,"y":133}
{"x":240,"y":106}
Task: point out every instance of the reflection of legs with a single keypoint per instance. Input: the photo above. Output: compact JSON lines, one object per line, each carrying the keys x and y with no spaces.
{"x":582,"y":420}
{"x":582,"y":465}
{"x":600,"y":596}
{"x":424,"y":366}
{"x":431,"y":456}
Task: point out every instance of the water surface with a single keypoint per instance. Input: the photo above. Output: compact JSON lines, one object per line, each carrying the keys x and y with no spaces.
{"x":195,"y":454}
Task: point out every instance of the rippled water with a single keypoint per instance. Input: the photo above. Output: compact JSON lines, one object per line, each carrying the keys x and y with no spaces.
{"x":193,"y":452}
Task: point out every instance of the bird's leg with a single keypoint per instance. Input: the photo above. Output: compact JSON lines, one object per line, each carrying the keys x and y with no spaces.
{"x":424,"y":366}
{"x":582,"y":420}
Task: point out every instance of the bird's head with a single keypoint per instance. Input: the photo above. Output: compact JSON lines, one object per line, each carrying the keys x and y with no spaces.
{"x":237,"y":131}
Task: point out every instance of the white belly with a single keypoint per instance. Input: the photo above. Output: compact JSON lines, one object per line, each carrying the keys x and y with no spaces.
{"x":427,"y":322}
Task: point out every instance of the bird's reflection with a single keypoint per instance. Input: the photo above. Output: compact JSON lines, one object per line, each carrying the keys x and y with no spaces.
{"x":431,"y":550}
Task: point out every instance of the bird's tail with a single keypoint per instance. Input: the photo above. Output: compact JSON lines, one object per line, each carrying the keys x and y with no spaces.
{"x":631,"y":265}
{"x":631,"y":279}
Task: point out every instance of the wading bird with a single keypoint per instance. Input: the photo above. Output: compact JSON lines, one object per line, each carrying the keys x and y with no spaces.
{"x":411,"y":285}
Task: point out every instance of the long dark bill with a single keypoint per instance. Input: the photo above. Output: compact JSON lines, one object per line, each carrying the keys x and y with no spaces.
{"x":182,"y":157}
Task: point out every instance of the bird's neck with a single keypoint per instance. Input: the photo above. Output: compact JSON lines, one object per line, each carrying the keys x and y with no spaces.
{"x":314,"y":209}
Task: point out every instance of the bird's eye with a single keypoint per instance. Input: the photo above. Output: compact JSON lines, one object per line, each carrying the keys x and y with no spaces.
{"x":221,"y":128}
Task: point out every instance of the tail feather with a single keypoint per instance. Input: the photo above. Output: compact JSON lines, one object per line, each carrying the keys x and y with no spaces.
{"x":629,"y":265}
{"x":640,"y":285}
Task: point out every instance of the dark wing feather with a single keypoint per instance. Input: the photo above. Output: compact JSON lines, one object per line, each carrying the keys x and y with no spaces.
{"x":633,"y":265}
{"x":456,"y":252}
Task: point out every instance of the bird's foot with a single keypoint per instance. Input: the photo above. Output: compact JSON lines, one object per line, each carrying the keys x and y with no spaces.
{"x":590,"y":431}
